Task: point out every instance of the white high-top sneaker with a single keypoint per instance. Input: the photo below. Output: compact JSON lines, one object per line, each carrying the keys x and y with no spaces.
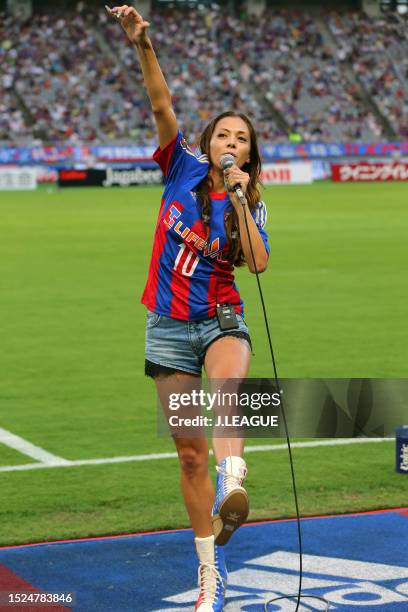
{"x":231,"y":506}
{"x":212,"y":576}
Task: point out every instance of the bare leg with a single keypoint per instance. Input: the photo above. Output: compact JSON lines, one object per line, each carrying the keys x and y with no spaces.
{"x":227,"y":364}
{"x":226,"y":359}
{"x":196,"y":485}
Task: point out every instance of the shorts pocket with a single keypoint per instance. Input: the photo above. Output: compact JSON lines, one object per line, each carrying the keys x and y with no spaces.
{"x":153,"y":319}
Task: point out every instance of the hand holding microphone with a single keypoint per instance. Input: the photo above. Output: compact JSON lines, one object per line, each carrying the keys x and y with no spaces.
{"x":235,"y":180}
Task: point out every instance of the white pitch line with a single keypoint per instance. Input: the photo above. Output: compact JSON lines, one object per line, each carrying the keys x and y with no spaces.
{"x":156,"y":456}
{"x":26,"y":448}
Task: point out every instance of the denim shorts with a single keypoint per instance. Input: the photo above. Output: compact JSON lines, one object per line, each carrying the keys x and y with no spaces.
{"x":173,"y":344}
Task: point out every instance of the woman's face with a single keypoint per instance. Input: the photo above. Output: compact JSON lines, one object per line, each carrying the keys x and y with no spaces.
{"x":231,"y":135}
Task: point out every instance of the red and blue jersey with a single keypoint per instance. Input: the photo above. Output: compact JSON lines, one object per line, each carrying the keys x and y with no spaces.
{"x":189,"y":272}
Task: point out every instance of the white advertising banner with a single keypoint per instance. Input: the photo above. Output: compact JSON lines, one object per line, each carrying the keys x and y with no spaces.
{"x":16,"y":179}
{"x":287,"y":174}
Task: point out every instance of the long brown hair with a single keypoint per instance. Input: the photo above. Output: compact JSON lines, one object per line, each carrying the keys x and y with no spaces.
{"x":235,"y":254}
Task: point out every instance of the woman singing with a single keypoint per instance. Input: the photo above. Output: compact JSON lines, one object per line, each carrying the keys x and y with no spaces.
{"x":200,"y":237}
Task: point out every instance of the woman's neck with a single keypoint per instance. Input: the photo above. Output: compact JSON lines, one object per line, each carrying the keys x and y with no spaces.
{"x":218,"y":181}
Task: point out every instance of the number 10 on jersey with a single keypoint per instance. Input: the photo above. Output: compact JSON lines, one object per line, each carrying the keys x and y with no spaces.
{"x":187,"y":266}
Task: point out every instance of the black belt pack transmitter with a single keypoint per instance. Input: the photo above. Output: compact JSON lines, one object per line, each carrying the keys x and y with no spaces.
{"x":227,"y":319}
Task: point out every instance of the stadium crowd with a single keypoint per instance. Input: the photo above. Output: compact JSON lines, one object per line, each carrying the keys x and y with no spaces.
{"x":74,"y":78}
{"x":11,"y":114}
{"x":292,"y":62}
{"x":70,"y":90}
{"x":203,"y":78}
{"x":377,"y":49}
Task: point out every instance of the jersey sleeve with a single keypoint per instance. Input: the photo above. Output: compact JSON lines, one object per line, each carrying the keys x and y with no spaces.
{"x":179,"y":163}
{"x":260,"y":216}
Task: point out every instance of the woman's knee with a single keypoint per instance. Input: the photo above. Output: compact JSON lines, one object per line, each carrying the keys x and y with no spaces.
{"x":193,"y":460}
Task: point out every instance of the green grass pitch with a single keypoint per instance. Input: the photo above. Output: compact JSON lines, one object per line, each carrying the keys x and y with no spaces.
{"x":73,"y":265}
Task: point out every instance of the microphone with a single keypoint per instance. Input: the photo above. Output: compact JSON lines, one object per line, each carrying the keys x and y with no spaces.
{"x":227,"y":160}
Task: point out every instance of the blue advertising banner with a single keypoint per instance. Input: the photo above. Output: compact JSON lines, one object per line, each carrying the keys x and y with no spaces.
{"x":314,"y":150}
{"x":89,"y":155}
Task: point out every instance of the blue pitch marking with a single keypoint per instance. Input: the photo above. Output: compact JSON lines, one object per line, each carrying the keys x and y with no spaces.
{"x":357,"y":562}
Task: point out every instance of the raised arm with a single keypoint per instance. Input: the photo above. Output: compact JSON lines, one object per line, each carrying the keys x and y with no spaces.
{"x":160,"y":98}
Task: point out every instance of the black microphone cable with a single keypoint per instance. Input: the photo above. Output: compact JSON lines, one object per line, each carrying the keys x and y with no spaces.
{"x":299,"y":595}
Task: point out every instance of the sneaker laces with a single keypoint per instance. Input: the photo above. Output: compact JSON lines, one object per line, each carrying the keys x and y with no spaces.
{"x":207,"y":581}
{"x":232,"y":480}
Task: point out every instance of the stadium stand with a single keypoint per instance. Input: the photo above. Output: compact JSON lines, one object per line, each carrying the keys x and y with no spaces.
{"x":378,"y":50}
{"x":72,"y":77}
{"x":11,"y":114}
{"x":72,"y":92}
{"x":203,"y":80}
{"x":303,"y":79}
